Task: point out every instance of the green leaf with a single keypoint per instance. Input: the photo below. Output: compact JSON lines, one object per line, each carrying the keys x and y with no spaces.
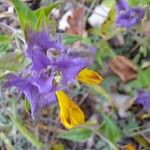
{"x":109,"y":3}
{"x":5,"y":42}
{"x":11,"y":61}
{"x":107,"y":30}
{"x":40,"y":20}
{"x":86,"y":41}
{"x":76,"y":134}
{"x":5,"y":139}
{"x":100,"y":90}
{"x":104,"y":52}
{"x":134,"y":2}
{"x":143,"y":79}
{"x":130,"y":126}
{"x":138,"y":2}
{"x":143,"y":50}
{"x":26,"y":16}
{"x":70,"y":39}
{"x":46,"y":10}
{"x":110,"y":129}
{"x":42,"y":15}
{"x":27,"y":105}
{"x":26,"y":133}
{"x":58,"y":147}
{"x":4,"y":38}
{"x":101,"y":145}
{"x":4,"y":47}
{"x":32,"y":19}
{"x":142,"y":141}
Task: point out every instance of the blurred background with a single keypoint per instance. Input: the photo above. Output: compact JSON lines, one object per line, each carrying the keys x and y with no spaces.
{"x":114,"y":119}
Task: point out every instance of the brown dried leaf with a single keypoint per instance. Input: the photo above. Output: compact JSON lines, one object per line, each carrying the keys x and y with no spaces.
{"x":76,"y":22}
{"x":124,"y":68}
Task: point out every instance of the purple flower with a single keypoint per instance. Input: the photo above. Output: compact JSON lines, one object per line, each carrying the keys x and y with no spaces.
{"x":39,"y":45}
{"x":36,"y":99}
{"x":143,"y":97}
{"x":70,"y":66}
{"x":55,"y":56}
{"x":122,"y":5}
{"x":53,"y":66}
{"x":128,"y":17}
{"x":43,"y":81}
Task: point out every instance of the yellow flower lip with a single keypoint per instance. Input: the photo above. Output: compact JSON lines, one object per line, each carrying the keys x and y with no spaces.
{"x":70,"y":114}
{"x":130,"y":146}
{"x":88,"y":76}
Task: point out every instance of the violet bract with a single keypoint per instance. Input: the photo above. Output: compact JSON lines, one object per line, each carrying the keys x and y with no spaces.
{"x":128,"y":17}
{"x":143,"y":97}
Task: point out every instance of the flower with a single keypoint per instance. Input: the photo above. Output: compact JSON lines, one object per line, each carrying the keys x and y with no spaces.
{"x":70,"y":66}
{"x":70,"y":114}
{"x":53,"y":55}
{"x":36,"y":99}
{"x":130,"y":146}
{"x":143,"y":97}
{"x":89,"y":77}
{"x":53,"y":67}
{"x":128,"y":17}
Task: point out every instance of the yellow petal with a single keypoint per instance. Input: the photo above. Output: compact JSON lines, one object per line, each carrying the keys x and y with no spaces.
{"x":89,"y":77}
{"x":130,"y":147}
{"x":70,"y":114}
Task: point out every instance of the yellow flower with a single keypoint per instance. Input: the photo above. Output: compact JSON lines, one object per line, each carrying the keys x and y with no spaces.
{"x":130,"y":147}
{"x":89,"y":77}
{"x":70,"y":114}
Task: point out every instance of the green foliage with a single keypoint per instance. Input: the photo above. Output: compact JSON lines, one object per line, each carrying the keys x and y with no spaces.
{"x":109,"y":3}
{"x":40,"y":20}
{"x":25,"y":132}
{"x":70,"y":39}
{"x":143,"y":50}
{"x":110,"y":129}
{"x":139,"y":2}
{"x":143,"y":142}
{"x":58,"y":147}
{"x":5,"y":42}
{"x":143,"y":79}
{"x":101,"y":145}
{"x":47,"y":9}
{"x":27,"y":106}
{"x":76,"y":134}
{"x":42,"y":15}
{"x":133,"y":2}
{"x":11,"y":62}
{"x":32,"y":19}
{"x":5,"y":139}
{"x":107,"y":30}
{"x":104,"y":52}
{"x":25,"y":14}
{"x":130,"y":126}
{"x":101,"y":91}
